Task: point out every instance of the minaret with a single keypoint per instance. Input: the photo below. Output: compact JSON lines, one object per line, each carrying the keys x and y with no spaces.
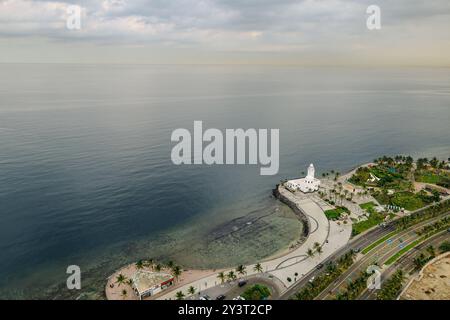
{"x":310,"y":172}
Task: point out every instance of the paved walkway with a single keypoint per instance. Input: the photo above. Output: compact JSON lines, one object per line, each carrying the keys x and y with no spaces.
{"x":329,"y":234}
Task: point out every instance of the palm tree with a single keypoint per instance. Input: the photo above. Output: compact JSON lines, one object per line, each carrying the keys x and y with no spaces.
{"x":258,"y":267}
{"x":231,"y":275}
{"x":120,"y":279}
{"x":179,"y":295}
{"x":316,"y":245}
{"x":176,"y":271}
{"x":241,"y":270}
{"x":170,"y":264}
{"x":319,"y":250}
{"x":310,"y":253}
{"x":221,"y":276}
{"x":148,"y":263}
{"x":191,"y":290}
{"x":124,"y":293}
{"x":139,"y":264}
{"x":158,"y":267}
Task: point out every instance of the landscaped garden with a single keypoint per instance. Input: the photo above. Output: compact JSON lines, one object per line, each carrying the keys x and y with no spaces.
{"x":374,"y":219}
{"x":256,"y":292}
{"x":390,"y":181}
{"x":335,"y":214}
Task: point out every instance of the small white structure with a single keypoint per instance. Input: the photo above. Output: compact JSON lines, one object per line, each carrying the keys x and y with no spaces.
{"x":147,"y":283}
{"x":307,"y":184}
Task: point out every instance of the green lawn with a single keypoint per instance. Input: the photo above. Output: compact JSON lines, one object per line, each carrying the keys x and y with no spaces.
{"x":428,"y":177}
{"x":374,"y":219}
{"x":408,"y":200}
{"x":256,"y":292}
{"x":334,"y":214}
{"x":368,"y":206}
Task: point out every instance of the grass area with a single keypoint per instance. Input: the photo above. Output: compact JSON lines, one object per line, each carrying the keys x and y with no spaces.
{"x":397,"y":255}
{"x":408,"y":200}
{"x":368,"y":206}
{"x":374,"y":219}
{"x":334,"y":214}
{"x":256,"y":292}
{"x":378,"y":242}
{"x":428,"y":177}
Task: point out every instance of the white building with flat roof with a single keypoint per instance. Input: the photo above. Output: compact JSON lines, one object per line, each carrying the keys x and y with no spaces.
{"x":306,"y":184}
{"x":146,"y":283}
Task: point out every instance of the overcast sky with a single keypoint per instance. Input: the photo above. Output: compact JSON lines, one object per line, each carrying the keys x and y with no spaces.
{"x":306,"y":32}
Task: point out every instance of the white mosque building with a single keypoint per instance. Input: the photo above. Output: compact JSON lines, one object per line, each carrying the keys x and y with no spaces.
{"x":307,"y":184}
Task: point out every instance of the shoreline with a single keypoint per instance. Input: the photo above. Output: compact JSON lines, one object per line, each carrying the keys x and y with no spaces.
{"x":282,"y":264}
{"x":197,"y":273}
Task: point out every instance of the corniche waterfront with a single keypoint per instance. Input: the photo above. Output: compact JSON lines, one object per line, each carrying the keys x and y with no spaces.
{"x":86,"y":177}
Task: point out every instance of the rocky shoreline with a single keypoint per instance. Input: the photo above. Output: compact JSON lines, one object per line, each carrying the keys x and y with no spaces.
{"x":300,"y":214}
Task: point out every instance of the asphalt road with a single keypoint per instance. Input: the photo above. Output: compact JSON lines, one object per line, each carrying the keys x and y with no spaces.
{"x":379,"y":255}
{"x":406,"y":262}
{"x":359,"y":243}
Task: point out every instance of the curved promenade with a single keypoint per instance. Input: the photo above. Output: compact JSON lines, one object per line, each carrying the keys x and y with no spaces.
{"x":328,"y":234}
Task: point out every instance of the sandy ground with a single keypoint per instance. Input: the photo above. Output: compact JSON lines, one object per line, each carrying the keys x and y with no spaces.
{"x":433,"y":282}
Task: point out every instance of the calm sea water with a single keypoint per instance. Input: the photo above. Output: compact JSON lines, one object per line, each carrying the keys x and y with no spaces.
{"x":86,"y":176}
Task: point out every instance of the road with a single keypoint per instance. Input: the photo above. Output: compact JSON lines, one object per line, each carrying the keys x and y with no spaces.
{"x":377,"y":256}
{"x":406,"y":262}
{"x":231,"y":289}
{"x":358,"y":244}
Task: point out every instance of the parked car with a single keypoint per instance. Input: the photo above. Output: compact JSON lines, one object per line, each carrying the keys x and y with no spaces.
{"x":205,"y":297}
{"x":312,"y":279}
{"x":242,"y":283}
{"x":220,"y":297}
{"x":319,"y":266}
{"x":238,"y":298}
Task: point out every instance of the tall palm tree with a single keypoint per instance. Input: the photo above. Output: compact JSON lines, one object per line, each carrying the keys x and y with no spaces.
{"x":120,"y":279}
{"x":179,"y":295}
{"x":170,"y":264}
{"x":148,"y":263}
{"x":258,"y":267}
{"x":319,"y":250}
{"x":221,"y":276}
{"x":191,"y":290}
{"x":231,"y":275}
{"x":158,"y":267}
{"x":310,"y":253}
{"x":139,"y":265}
{"x":241,"y":270}
{"x":316,"y":245}
{"x":176,"y":271}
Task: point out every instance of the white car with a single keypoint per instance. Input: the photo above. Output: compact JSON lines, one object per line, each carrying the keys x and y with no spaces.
{"x":238,"y":298}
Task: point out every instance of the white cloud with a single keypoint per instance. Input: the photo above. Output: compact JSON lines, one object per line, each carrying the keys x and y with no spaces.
{"x":313,"y":26}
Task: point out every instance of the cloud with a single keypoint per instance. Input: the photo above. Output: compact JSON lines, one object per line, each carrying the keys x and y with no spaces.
{"x":314,"y":26}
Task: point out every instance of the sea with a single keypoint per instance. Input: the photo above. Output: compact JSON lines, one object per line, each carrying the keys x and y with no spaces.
{"x":86,"y":176}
